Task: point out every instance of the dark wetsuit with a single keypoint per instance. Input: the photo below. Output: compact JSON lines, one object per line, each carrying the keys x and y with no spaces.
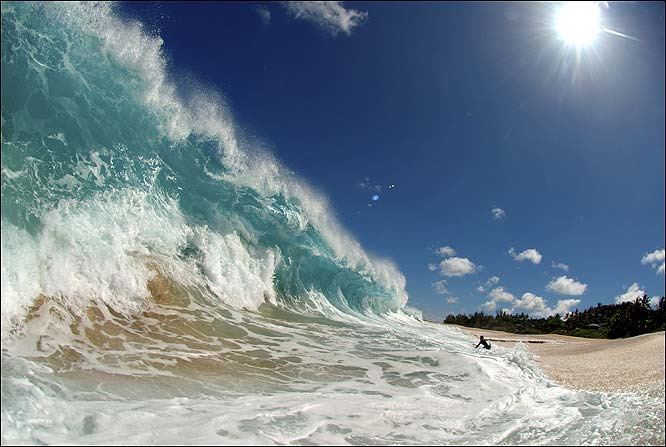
{"x":484,"y":343}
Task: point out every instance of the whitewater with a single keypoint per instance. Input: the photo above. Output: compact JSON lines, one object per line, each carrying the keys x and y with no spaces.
{"x":166,"y":280}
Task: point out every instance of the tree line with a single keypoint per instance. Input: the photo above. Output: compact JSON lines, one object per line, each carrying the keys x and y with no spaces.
{"x":620,"y":320}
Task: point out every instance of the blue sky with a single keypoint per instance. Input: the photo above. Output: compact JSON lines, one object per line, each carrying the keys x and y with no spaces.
{"x":465,"y":108}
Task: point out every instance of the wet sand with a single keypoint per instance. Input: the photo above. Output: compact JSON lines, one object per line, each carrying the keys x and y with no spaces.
{"x":628,"y":364}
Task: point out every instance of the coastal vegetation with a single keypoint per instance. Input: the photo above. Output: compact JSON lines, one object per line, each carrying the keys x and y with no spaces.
{"x":620,"y":320}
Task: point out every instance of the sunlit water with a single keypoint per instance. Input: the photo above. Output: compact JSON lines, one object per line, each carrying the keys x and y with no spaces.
{"x":165,"y":281}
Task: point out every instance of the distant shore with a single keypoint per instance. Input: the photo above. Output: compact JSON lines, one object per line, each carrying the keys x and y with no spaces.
{"x":627,"y":364}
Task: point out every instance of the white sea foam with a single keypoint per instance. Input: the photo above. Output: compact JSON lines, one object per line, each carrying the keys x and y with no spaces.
{"x":237,"y":276}
{"x":109,"y":247}
{"x":387,"y":383}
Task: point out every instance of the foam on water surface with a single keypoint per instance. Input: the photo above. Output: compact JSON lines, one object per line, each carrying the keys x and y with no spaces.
{"x":273,"y":378}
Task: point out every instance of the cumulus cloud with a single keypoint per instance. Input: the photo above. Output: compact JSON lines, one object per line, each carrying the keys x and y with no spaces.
{"x":528,"y":303}
{"x":264,"y":15}
{"x":498,"y":213}
{"x":445,"y":251}
{"x":451,"y":300}
{"x":564,"y":306}
{"x":538,"y":307}
{"x":655,"y":256}
{"x":333,"y":17}
{"x":533,"y":305}
{"x":531,"y":254}
{"x":456,"y":267}
{"x":634,"y":291}
{"x":560,"y":265}
{"x":490,"y":282}
{"x":656,"y":259}
{"x":489,"y":306}
{"x":499,"y":295}
{"x":566,"y":286}
{"x":440,"y":287}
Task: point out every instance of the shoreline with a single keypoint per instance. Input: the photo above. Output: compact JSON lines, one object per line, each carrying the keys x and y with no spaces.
{"x":591,"y":364}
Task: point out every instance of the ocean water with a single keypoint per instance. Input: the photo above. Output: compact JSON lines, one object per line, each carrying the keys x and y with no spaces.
{"x":166,"y":281}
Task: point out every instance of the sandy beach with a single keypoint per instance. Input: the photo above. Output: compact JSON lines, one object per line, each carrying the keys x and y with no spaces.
{"x":629,"y":364}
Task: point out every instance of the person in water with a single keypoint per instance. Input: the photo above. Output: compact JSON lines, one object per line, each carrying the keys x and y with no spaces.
{"x":482,"y":341}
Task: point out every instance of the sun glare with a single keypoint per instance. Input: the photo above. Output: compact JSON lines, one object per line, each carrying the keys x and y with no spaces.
{"x":577,"y":23}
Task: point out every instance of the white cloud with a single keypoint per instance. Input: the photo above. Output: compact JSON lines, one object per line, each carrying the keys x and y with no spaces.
{"x":264,"y":15}
{"x":498,"y":213}
{"x":497,"y":295}
{"x":538,"y":307}
{"x":500,"y":295}
{"x":656,"y":258}
{"x":331,"y":16}
{"x":564,"y":306}
{"x":440,"y":287}
{"x":560,"y":265}
{"x":489,"y":306}
{"x":432,"y":267}
{"x":566,"y":286}
{"x":631,"y":294}
{"x":490,"y":282}
{"x":445,"y":251}
{"x":533,"y":305}
{"x":456,"y":267}
{"x":531,"y":254}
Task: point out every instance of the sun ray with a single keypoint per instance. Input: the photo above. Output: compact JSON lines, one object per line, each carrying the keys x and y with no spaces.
{"x":619,"y":34}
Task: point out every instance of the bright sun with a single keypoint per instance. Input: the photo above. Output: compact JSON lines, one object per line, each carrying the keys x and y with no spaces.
{"x":578,"y":23}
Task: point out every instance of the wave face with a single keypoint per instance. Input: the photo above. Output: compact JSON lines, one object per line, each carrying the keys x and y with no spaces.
{"x":165,"y":281}
{"x":109,"y":178}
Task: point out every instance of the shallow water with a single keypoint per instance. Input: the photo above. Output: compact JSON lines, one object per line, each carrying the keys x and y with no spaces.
{"x":187,"y":374}
{"x":165,"y":282}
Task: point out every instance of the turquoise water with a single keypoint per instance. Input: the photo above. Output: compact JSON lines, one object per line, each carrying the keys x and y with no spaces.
{"x":91,"y":127}
{"x":166,"y":281}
